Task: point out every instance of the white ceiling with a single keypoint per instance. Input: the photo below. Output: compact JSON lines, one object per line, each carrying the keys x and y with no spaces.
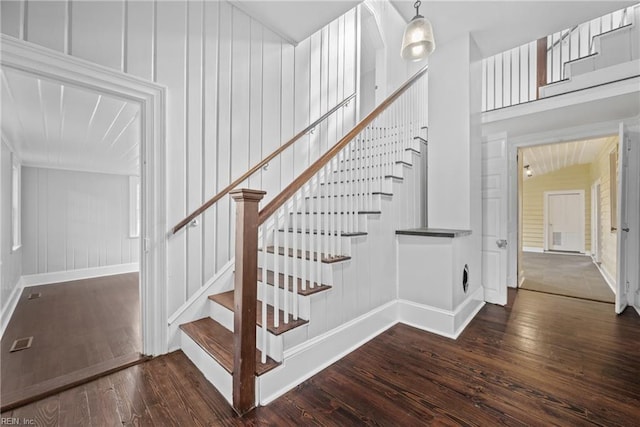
{"x":64,"y":127}
{"x":295,"y":20}
{"x":501,"y":25}
{"x":543,"y":159}
{"x":495,"y":25}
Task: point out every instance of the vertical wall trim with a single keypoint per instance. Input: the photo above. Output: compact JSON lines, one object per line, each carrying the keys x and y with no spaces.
{"x":186,"y":70}
{"x":261,"y":97}
{"x":203,"y":163}
{"x":125,"y":35}
{"x":309,"y":103}
{"x":154,"y":43}
{"x":67,"y":26}
{"x":281,"y":114}
{"x":22,"y":31}
{"x":231,"y":247}
{"x":215,"y":175}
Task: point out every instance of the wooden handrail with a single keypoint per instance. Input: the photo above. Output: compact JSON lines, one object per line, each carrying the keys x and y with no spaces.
{"x":255,"y":168}
{"x":291,"y":189}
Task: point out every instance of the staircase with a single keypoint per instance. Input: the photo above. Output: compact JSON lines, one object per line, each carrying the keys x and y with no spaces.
{"x":616,"y":56}
{"x":306,"y":241}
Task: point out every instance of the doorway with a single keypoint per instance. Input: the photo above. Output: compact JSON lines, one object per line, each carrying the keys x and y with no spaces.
{"x":52,"y":66}
{"x":564,"y":221}
{"x":560,"y":221}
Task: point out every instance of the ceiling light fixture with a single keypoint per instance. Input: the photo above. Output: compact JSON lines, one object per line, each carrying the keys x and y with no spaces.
{"x":529,"y":171}
{"x":418,"y":41}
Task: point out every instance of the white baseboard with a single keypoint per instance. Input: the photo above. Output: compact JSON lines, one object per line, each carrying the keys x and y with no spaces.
{"x":448,"y":323}
{"x":309,"y":358}
{"x":80,"y":274}
{"x":606,"y":276}
{"x":197,"y":306}
{"x":10,"y":305}
{"x":532,"y":249}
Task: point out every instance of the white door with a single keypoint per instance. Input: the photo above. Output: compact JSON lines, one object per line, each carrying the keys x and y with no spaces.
{"x":627,"y":286}
{"x":494,"y":217}
{"x":565,"y":224}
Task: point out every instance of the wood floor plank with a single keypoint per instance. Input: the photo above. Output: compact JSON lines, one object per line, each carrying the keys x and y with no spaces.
{"x":541,"y":360}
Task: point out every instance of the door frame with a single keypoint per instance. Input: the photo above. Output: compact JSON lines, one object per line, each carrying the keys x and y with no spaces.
{"x":52,"y":65}
{"x":595,"y":220}
{"x":544,"y":138}
{"x":545,"y":216}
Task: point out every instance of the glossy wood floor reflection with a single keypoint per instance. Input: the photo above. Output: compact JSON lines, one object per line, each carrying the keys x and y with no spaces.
{"x":79,"y":328}
{"x":542,"y":360}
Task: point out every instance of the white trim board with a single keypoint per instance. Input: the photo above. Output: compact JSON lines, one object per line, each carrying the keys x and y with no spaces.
{"x":606,"y":276}
{"x":80,"y":274}
{"x":10,"y":305}
{"x":532,"y":249}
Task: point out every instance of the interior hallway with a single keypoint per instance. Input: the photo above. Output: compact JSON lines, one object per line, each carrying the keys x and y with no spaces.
{"x":569,"y":275}
{"x":529,"y":363}
{"x":79,"y":328}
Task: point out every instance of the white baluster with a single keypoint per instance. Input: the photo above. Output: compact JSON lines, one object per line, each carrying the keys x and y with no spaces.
{"x":276,"y":267}
{"x":294,"y":259}
{"x":286,"y":259}
{"x":263,"y":356}
{"x":306,"y":207}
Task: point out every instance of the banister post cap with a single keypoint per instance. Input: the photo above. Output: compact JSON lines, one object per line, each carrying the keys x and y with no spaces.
{"x":247,"y":194}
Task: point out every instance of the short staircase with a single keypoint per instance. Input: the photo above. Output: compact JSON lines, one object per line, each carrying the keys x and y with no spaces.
{"x":615,"y":57}
{"x":300,"y":238}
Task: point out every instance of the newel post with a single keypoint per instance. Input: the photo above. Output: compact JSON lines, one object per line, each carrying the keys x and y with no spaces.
{"x":245,"y":299}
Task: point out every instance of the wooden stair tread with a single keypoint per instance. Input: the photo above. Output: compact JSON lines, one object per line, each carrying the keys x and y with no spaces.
{"x":319,"y":287}
{"x":322,"y":232}
{"x":225,"y":299}
{"x":309,"y":256}
{"x":217,"y":342}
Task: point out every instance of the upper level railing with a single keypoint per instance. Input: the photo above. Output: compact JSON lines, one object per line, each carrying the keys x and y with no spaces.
{"x":514,"y":76}
{"x":264,"y":162}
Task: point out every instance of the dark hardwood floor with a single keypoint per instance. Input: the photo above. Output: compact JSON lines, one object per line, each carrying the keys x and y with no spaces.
{"x":79,"y":328}
{"x":542,"y":360}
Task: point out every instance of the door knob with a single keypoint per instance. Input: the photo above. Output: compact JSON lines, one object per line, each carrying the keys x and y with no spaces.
{"x":625,"y":229}
{"x":502,"y":243}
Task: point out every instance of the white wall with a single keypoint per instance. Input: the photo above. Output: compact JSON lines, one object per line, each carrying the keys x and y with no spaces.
{"x":11,"y":261}
{"x":75,"y":220}
{"x":235,"y":92}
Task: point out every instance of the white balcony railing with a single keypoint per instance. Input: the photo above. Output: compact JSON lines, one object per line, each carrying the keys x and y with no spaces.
{"x":510,"y":78}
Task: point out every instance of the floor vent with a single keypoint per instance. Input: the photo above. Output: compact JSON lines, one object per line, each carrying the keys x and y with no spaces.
{"x":34,"y":295}
{"x":21,"y":344}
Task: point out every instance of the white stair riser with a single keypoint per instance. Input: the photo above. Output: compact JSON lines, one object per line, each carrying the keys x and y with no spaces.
{"x":304,"y":302}
{"x":367,"y":202}
{"x":224,"y":316}
{"x":300,"y":265}
{"x":347,"y":222}
{"x":377,"y":184}
{"x":345,"y":241}
{"x":212,"y":370}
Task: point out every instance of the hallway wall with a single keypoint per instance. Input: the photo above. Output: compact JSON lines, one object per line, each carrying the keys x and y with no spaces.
{"x":235,"y":92}
{"x":75,"y":220}
{"x":577,"y":177}
{"x":11,"y":260}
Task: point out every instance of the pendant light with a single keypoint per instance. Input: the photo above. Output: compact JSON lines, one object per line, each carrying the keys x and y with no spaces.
{"x":418,"y":41}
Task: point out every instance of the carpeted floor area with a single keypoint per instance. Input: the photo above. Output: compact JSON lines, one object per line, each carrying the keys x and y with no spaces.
{"x":569,"y":275}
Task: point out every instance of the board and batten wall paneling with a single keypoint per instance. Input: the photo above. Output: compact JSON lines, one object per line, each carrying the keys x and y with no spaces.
{"x":75,"y":220}
{"x":600,"y":171}
{"x":11,"y":260}
{"x":235,"y":92}
{"x":577,"y":177}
